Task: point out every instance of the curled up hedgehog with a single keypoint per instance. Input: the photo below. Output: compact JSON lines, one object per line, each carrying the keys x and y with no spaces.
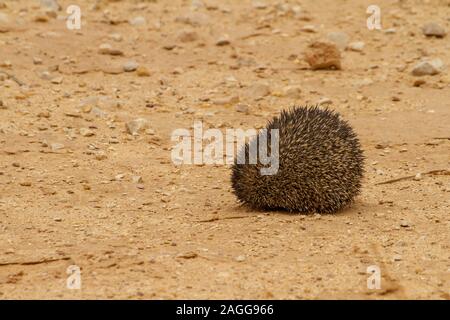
{"x":319,"y":169}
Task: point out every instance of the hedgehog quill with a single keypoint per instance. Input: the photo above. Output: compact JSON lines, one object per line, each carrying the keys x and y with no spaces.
{"x":321,"y":164}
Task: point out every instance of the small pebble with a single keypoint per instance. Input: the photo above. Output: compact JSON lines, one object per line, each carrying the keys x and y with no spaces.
{"x":404,"y":224}
{"x":137,"y":125}
{"x":130,"y":66}
{"x":57,"y":80}
{"x":138,"y":21}
{"x":143,"y":71}
{"x":419,"y":82}
{"x":187,"y":36}
{"x":188,"y":255}
{"x":101,"y":155}
{"x":429,"y":67}
{"x":116,"y":37}
{"x":390,"y":31}
{"x":56,"y":146}
{"x":85,"y":132}
{"x":309,"y":28}
{"x":37,"y":60}
{"x":119,"y":177}
{"x":106,"y":48}
{"x":241,"y":108}
{"x":223,"y":41}
{"x":324,"y":101}
{"x":356,"y":46}
{"x":178,"y":70}
{"x":432,"y":29}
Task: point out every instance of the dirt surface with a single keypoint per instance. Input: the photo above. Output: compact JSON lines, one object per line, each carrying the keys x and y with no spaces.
{"x":77,"y":189}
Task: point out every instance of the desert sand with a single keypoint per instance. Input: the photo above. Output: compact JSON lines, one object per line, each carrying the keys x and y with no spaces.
{"x":77,"y":188}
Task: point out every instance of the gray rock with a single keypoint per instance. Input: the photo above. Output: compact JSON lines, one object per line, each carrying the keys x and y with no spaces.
{"x":432,"y":29}
{"x":428,"y":67}
{"x":130,"y":66}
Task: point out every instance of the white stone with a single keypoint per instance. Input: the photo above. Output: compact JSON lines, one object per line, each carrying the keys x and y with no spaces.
{"x":357,"y":46}
{"x":130,"y":66}
{"x":138,"y":21}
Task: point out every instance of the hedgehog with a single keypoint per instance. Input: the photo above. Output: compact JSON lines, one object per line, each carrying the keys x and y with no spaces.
{"x":320,"y":164}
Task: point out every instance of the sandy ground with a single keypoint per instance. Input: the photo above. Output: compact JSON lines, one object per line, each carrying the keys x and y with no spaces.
{"x":77,"y":189}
